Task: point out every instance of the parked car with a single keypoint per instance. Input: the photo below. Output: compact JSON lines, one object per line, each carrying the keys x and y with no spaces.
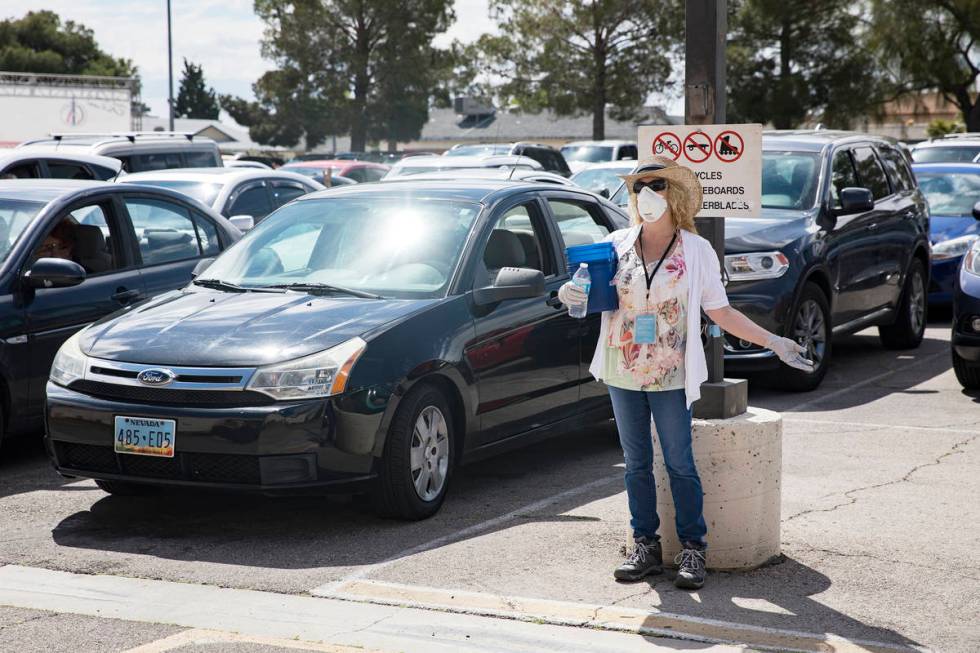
{"x":74,"y":251}
{"x":501,"y":174}
{"x":965,"y":344}
{"x":366,"y":338}
{"x":582,"y":154}
{"x":236,"y":193}
{"x":137,"y":151}
{"x":842,"y":244}
{"x":953,"y":148}
{"x":238,"y":163}
{"x":603,"y":178}
{"x":953,"y":193}
{"x":358,"y":171}
{"x":549,"y":158}
{"x":374,"y":157}
{"x":28,"y":163}
{"x":418,"y":164}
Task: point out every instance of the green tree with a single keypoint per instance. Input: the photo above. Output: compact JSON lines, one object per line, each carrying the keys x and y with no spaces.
{"x":930,"y":45}
{"x":195,"y":99}
{"x":788,"y":62}
{"x":580,"y":58}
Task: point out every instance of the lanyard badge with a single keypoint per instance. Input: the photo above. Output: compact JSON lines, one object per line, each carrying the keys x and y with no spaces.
{"x":645,"y":326}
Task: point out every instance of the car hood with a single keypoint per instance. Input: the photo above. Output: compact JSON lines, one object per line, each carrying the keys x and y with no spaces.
{"x":773,"y":230}
{"x":195,"y":327}
{"x":947,"y":227}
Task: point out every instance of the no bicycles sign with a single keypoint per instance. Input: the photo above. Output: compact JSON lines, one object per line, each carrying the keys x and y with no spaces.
{"x":726,"y":158}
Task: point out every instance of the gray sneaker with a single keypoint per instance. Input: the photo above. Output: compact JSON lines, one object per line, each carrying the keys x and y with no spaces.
{"x":646,"y":558}
{"x":691,"y":562}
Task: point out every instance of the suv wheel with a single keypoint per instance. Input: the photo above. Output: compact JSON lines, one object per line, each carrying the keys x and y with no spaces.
{"x":418,"y":457}
{"x":966,"y":373}
{"x":809,"y":326}
{"x":124,"y":488}
{"x":910,"y":325}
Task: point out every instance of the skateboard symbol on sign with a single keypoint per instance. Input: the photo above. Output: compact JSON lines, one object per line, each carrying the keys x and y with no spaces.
{"x":729,"y":146}
{"x":667,"y":145}
{"x":697,"y":147}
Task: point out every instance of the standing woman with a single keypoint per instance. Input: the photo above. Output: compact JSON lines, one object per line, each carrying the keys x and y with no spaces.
{"x":651,"y":358}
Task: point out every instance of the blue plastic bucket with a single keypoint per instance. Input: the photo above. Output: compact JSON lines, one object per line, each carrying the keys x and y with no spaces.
{"x":602,"y":261}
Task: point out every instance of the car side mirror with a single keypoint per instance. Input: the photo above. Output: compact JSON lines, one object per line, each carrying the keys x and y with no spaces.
{"x":511,"y":283}
{"x":855,"y":200}
{"x":604,"y":192}
{"x":242,"y":222}
{"x":201,"y":266}
{"x":976,"y":211}
{"x":54,"y":273}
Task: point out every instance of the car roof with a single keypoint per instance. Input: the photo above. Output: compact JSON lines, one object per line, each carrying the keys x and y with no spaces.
{"x":605,"y":142}
{"x":479,"y":161}
{"x":334,"y":163}
{"x":470,"y":190}
{"x":952,"y":140}
{"x":220,"y":174}
{"x":813,"y":139}
{"x":970,"y":168}
{"x":45,"y":190}
{"x":28,"y":153}
{"x":512,"y":174}
{"x":619,"y":163}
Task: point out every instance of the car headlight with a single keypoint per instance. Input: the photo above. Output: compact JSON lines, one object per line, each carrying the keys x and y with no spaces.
{"x":758,"y":265}
{"x":69,"y":363}
{"x":319,"y":375}
{"x":971,"y":262}
{"x":952,"y":248}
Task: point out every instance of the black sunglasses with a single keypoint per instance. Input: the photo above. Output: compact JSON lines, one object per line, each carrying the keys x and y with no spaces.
{"x":652,"y":184}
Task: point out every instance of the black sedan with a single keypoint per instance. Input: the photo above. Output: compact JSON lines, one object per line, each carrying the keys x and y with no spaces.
{"x":72,"y":252}
{"x":966,"y":321}
{"x":366,"y":338}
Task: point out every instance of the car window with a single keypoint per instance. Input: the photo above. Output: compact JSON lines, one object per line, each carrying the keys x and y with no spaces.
{"x":598,"y":179}
{"x":950,"y":193}
{"x":587,"y":153}
{"x":103,"y":173}
{"x":374,"y":174}
{"x":627,"y":152}
{"x":898,"y":169}
{"x":29,"y":170}
{"x":842,"y":176}
{"x":286,"y":193}
{"x":516,"y":241}
{"x":155,"y":161}
{"x":15,"y":216}
{"x":357,"y":174}
{"x":199,"y":159}
{"x":789,"y":179}
{"x":165,"y":230}
{"x":870,"y":173}
{"x":67,"y":170}
{"x":950,"y":154}
{"x":85,"y":236}
{"x":207,"y":232}
{"x":577,"y":222}
{"x":252,"y":201}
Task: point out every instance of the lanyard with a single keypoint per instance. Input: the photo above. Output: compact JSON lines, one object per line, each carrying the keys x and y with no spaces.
{"x":649,"y":279}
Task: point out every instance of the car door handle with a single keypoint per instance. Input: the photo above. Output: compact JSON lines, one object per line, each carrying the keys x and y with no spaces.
{"x":124,"y":296}
{"x":553,"y":300}
{"x":873,"y":226}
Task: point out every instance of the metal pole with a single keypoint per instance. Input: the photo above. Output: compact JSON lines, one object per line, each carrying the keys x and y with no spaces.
{"x":170,"y":69}
{"x":705,"y":96}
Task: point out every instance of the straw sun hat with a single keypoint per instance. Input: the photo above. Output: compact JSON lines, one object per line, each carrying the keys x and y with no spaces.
{"x":658,"y":167}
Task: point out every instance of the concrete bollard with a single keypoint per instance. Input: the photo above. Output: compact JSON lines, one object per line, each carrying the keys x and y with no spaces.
{"x":740,"y":463}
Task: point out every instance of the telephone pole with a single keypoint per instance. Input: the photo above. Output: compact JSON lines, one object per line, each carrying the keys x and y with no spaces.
{"x":170,"y":70}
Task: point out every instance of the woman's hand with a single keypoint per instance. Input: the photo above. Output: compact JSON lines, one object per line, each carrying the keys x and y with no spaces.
{"x":571,"y":295}
{"x":790,"y":352}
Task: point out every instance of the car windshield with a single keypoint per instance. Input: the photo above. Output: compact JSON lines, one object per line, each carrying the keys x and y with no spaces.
{"x":478,"y":150}
{"x":598,"y":179}
{"x":950,"y":154}
{"x":199,"y":190}
{"x":395,"y":247}
{"x":789,"y":179}
{"x":15,"y":215}
{"x":590,"y":153}
{"x":951,"y":193}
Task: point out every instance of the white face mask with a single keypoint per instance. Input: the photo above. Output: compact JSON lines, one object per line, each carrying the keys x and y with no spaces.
{"x":650,"y":205}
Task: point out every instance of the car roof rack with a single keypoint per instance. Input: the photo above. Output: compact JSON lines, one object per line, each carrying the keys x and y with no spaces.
{"x":974,"y":135}
{"x":131,"y":136}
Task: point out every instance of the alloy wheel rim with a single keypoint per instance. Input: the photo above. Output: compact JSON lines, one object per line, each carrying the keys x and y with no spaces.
{"x":429,"y":453}
{"x":810,"y":330}
{"x":917,"y":304}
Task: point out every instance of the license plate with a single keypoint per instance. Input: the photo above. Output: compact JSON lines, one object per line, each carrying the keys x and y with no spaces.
{"x":145,"y":436}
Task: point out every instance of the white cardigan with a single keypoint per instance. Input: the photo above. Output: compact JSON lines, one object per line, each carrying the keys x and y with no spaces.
{"x":705,"y":291}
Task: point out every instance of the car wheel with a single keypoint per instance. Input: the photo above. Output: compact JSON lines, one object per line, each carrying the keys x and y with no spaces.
{"x":966,"y":373}
{"x":910,"y":325}
{"x":418,"y":457}
{"x":809,"y":326}
{"x":124,"y":488}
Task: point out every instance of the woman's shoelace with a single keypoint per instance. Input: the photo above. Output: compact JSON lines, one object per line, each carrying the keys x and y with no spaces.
{"x":690,"y":559}
{"x":639,"y":554}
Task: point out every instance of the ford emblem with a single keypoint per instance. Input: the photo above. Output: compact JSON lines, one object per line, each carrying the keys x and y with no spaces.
{"x":156,"y":376}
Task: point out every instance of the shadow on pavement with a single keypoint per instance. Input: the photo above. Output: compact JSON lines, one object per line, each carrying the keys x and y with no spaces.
{"x":24,"y":467}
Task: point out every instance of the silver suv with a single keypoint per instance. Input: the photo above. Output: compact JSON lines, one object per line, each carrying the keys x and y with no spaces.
{"x":139,"y":151}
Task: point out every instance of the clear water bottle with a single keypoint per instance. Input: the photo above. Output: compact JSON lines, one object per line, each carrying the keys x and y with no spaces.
{"x":583,"y":280}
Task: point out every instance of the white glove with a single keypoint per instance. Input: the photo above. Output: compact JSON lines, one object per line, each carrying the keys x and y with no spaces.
{"x":571,"y":295}
{"x":790,"y":352}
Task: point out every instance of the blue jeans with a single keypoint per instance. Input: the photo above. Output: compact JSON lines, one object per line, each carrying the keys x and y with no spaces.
{"x":633,"y":409}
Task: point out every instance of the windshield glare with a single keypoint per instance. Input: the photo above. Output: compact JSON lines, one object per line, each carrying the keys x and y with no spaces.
{"x":789,"y":180}
{"x":397,"y":247}
{"x":15,"y":215}
{"x":952,"y":154}
{"x":590,"y":153}
{"x":203,"y":192}
{"x":950,"y":193}
{"x":478,"y":150}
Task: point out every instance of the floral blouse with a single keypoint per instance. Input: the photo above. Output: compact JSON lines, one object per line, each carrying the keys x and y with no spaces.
{"x":659,"y":365}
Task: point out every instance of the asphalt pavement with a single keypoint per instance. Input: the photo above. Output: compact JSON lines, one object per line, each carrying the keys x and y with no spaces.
{"x":880,"y":538}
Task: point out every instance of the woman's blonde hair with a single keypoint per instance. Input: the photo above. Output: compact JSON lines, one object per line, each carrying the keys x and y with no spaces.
{"x":677,"y":203}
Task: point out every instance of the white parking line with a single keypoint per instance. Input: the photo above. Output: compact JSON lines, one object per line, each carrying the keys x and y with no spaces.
{"x":900,"y":427}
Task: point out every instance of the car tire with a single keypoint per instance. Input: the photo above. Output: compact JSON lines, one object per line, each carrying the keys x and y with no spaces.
{"x":910,"y":325}
{"x":968,"y":374}
{"x":124,"y":488}
{"x":417,"y":463}
{"x":810,"y":326}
